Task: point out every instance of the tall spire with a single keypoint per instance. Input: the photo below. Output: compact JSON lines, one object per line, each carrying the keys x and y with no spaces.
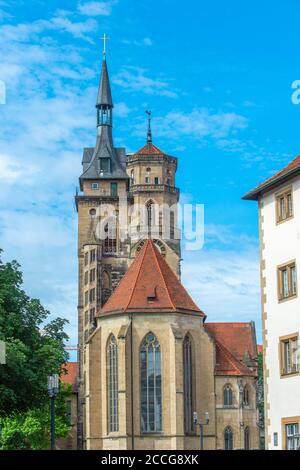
{"x":149,"y":133}
{"x":105,"y":161}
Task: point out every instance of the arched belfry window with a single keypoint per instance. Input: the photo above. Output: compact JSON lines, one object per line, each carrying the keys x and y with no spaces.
{"x":188,"y":396}
{"x":112,"y":389}
{"x":150,"y":217}
{"x":150,"y":374}
{"x":110,"y":236}
{"x":227,"y":396}
{"x":228,"y":438}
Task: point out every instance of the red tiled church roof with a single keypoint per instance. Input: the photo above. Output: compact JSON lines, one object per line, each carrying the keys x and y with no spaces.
{"x":149,"y":149}
{"x":288,"y":170}
{"x":234,"y":342}
{"x":149,"y":285}
{"x":71,"y":376}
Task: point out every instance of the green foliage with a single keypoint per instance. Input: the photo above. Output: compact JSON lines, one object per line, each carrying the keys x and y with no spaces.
{"x":34,"y":350}
{"x":31,"y":429}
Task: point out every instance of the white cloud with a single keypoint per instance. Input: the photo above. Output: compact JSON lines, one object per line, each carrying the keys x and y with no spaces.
{"x":10,"y":170}
{"x":121,"y":109}
{"x":133,"y":79}
{"x":96,"y":8}
{"x":197,"y":124}
{"x":142,"y":42}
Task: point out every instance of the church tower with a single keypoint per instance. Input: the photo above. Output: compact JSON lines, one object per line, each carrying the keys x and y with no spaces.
{"x":123,"y":200}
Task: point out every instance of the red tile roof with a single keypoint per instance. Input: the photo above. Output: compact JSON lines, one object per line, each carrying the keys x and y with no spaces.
{"x":280,"y":176}
{"x":149,"y":149}
{"x":71,"y":376}
{"x":234,"y":343}
{"x":149,"y":285}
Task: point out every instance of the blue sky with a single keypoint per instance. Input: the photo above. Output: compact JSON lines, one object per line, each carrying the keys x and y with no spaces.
{"x":217,"y":77}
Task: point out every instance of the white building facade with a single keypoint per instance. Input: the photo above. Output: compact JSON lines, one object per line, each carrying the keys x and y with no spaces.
{"x":279,"y":226}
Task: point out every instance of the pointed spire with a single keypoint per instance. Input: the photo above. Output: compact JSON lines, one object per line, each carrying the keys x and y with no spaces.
{"x":104,"y":97}
{"x":149,"y":133}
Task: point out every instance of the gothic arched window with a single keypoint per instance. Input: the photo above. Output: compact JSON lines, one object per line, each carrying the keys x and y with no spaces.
{"x":150,"y":216}
{"x":112,"y":389}
{"x":110,"y":236}
{"x":105,"y":280}
{"x":228,"y":438}
{"x":227,"y":396}
{"x":188,"y":384}
{"x":150,"y":373}
{"x":246,"y":396}
{"x":247,"y":438}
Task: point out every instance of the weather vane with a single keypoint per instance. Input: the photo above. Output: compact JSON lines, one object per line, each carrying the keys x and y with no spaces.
{"x":104,"y":39}
{"x":149,"y":134}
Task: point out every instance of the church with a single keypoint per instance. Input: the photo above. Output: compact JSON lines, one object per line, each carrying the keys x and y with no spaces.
{"x":153,"y":373}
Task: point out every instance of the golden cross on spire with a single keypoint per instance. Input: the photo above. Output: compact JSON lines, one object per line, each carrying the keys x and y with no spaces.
{"x":104,"y":39}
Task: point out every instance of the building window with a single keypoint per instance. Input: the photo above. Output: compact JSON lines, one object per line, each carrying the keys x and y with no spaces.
{"x":150,"y":216}
{"x":228,"y":438}
{"x":93,"y":213}
{"x":92,"y":275}
{"x":92,"y":315}
{"x":86,"y":318}
{"x":227,"y":396}
{"x":188,"y":385}
{"x":284,"y":205}
{"x":86,"y":298}
{"x":92,"y":295}
{"x":105,"y":280}
{"x":86,"y":259}
{"x":104,"y":165}
{"x":147,"y":179}
{"x":92,"y":256}
{"x":247,"y":438}
{"x":86,"y":278}
{"x":289,"y":355}
{"x":113,"y":405}
{"x":156,"y":180}
{"x":287,"y":281}
{"x":292,"y":437}
{"x":160,"y":223}
{"x":114,"y":189}
{"x":150,"y":373}
{"x":246,"y":396}
{"x":132,"y":177}
{"x":95,"y":185}
{"x":110,"y":240}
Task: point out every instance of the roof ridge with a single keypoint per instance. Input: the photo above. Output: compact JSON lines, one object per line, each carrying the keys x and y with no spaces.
{"x":164,"y":281}
{"x":232,"y":359}
{"x":142,"y":256}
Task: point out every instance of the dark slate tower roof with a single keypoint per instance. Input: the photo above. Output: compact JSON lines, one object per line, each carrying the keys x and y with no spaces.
{"x":104,"y":92}
{"x":104,"y":154}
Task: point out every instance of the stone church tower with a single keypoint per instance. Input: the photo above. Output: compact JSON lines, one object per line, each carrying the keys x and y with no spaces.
{"x":123,"y":199}
{"x":147,"y":358}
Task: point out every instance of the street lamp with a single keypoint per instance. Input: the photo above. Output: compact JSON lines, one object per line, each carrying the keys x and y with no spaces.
{"x":197,"y":423}
{"x":53,"y":389}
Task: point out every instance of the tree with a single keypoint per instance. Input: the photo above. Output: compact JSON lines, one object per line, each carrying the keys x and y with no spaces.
{"x":34,"y":350}
{"x":31,"y":429}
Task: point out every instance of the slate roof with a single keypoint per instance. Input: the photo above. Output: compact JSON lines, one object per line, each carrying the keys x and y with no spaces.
{"x":292,"y":169}
{"x":104,"y":92}
{"x":150,"y":285}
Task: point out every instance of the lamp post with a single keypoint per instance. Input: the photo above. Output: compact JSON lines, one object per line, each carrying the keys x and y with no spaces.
{"x":53,"y":389}
{"x":197,"y":423}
